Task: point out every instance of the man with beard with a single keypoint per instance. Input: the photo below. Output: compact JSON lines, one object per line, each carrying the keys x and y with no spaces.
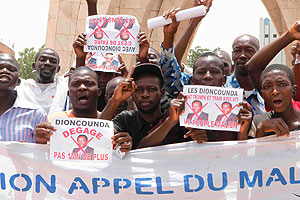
{"x":207,"y":70}
{"x":45,"y":90}
{"x":148,"y":82}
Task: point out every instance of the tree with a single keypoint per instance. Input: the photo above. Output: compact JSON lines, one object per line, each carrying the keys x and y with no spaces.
{"x":27,"y":57}
{"x":195,"y":53}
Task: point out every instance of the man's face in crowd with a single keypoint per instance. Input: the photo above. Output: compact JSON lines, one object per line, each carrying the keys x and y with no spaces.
{"x":111,"y":86}
{"x":148,"y":93}
{"x":103,"y":78}
{"x":243,"y":48}
{"x":208,"y":71}
{"x":153,"y":56}
{"x":83,"y":90}
{"x":226,"y":108}
{"x":46,"y":66}
{"x":9,"y":71}
{"x":277,"y":90}
{"x":227,"y":62}
{"x":196,"y":106}
{"x":81,"y":141}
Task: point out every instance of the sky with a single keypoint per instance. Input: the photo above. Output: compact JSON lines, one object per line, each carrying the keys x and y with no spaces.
{"x":228,"y":19}
{"x":24,"y":23}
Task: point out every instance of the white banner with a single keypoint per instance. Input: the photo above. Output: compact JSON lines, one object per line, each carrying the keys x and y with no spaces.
{"x":266,"y":168}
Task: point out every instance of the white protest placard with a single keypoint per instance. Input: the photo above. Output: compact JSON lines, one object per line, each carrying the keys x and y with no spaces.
{"x":80,"y":139}
{"x":112,"y":34}
{"x":212,"y":108}
{"x":105,"y":62}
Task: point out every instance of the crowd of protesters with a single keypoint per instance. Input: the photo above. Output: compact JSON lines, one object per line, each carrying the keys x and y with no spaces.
{"x":145,"y":103}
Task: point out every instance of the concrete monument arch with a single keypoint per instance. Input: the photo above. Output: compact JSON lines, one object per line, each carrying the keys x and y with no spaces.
{"x":67,"y":19}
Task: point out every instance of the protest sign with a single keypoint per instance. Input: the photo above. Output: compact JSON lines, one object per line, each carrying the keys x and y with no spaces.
{"x":112,"y":34}
{"x":107,"y":62}
{"x":80,"y":139}
{"x":264,"y":168}
{"x":212,"y":108}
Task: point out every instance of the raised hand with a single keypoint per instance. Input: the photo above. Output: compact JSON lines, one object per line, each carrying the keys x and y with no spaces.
{"x":79,"y":44}
{"x":144,"y":47}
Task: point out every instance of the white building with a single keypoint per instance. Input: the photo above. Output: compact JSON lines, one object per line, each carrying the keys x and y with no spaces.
{"x":268,"y":33}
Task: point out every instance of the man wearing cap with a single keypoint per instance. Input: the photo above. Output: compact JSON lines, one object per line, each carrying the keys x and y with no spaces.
{"x":147,"y":90}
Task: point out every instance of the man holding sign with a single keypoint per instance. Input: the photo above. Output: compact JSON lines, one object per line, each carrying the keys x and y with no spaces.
{"x":83,"y":92}
{"x":208,"y":70}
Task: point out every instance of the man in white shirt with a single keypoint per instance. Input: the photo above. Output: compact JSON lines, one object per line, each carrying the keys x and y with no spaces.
{"x":46,"y":90}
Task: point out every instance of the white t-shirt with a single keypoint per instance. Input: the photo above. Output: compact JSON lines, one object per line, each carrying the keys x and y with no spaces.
{"x":51,"y":96}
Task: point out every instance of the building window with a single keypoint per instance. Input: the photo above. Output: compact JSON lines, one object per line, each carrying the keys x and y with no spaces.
{"x":266,"y":35}
{"x":275,"y":35}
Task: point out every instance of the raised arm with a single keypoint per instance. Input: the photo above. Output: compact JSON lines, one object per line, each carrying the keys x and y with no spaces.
{"x":263,"y":57}
{"x":296,"y":51}
{"x":174,"y":78}
{"x":123,"y":91}
{"x":78,"y":49}
{"x":185,"y":37}
{"x":92,"y":7}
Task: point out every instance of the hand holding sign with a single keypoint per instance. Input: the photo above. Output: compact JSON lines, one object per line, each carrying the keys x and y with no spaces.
{"x":244,"y":118}
{"x":43,"y":132}
{"x":177,"y":108}
{"x":79,"y":44}
{"x":144,"y":47}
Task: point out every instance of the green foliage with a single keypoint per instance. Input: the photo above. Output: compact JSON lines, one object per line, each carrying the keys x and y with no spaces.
{"x":195,"y":53}
{"x":26,"y":58}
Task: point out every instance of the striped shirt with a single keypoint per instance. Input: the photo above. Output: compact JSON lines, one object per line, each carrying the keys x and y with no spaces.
{"x":18,"y":123}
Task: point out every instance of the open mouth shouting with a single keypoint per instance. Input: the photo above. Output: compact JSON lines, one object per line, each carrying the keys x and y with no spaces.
{"x":83,"y":98}
{"x":277,"y":102}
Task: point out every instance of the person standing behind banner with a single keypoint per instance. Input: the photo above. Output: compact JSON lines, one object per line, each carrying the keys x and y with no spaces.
{"x":208,"y":70}
{"x":83,"y":93}
{"x":46,"y":90}
{"x":277,"y":85}
{"x":244,"y":47}
{"x":146,"y":87}
{"x":18,"y":117}
{"x":264,"y":56}
{"x":278,"y":89}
